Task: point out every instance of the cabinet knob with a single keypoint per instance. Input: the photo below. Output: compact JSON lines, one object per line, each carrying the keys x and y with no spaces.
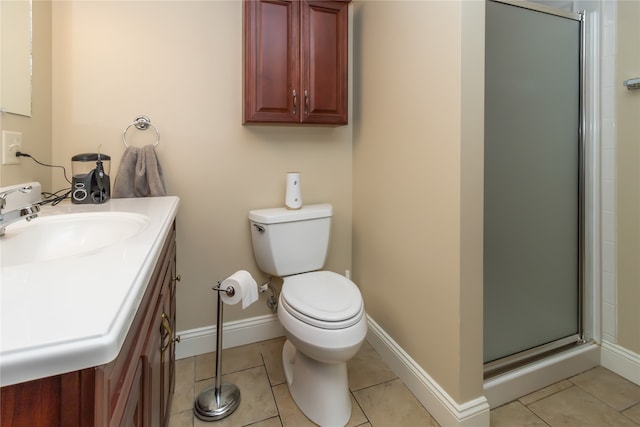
{"x":177,"y":278}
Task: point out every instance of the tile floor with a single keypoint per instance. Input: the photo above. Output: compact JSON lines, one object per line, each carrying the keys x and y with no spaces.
{"x":595,"y":398}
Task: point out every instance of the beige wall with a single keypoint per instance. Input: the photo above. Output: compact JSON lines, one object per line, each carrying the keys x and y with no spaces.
{"x":628,"y":179}
{"x":417,"y":243}
{"x":36,"y":130}
{"x":180,"y":63}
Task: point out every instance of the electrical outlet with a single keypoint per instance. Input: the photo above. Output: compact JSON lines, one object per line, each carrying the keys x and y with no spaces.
{"x":11,"y":144}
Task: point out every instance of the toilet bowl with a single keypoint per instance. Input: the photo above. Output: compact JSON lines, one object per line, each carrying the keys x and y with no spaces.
{"x":321,"y":312}
{"x":324,"y":321}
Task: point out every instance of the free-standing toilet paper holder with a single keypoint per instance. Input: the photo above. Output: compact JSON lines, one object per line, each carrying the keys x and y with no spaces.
{"x":220,"y":400}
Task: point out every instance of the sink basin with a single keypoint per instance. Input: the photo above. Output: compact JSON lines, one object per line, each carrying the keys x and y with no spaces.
{"x":54,"y":237}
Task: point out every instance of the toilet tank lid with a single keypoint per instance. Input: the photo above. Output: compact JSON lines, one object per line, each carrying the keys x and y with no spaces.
{"x":277,"y":215}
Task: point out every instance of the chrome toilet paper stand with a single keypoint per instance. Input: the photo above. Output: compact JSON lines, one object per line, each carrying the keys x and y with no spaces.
{"x":220,"y":400}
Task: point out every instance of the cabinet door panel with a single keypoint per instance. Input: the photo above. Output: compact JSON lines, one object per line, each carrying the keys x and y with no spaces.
{"x":324,"y":61}
{"x":169,"y":357}
{"x":271,"y":61}
{"x":133,"y":415}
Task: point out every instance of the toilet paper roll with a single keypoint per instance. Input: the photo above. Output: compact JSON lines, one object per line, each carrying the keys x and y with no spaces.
{"x":293,"y":195}
{"x":246,"y":289}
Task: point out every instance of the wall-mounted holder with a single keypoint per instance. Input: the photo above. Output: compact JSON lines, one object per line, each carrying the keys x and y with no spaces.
{"x":272,"y":301}
{"x":142,"y":123}
{"x":220,"y":400}
{"x":632,"y":84}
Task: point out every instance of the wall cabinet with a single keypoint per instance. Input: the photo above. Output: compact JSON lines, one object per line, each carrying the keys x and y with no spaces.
{"x":135,"y":389}
{"x":296,"y":61}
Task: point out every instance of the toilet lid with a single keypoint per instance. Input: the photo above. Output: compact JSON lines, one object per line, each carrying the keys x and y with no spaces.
{"x":323,"y":298}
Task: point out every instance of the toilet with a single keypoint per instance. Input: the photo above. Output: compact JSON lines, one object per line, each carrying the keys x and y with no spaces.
{"x":322,"y":312}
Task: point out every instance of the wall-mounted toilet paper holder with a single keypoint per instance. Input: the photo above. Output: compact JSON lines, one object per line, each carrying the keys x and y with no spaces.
{"x":220,"y":400}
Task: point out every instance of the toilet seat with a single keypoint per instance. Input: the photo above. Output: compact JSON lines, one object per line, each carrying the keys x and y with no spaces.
{"x":322,"y":299}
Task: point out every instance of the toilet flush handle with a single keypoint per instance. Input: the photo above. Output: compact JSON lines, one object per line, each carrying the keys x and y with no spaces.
{"x":259,"y":227}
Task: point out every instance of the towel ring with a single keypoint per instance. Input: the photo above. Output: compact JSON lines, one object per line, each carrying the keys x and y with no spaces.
{"x":142,"y":123}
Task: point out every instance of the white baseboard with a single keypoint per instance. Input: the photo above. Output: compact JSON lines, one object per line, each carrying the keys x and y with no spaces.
{"x":526,"y":379}
{"x":621,"y":361}
{"x":240,"y":332}
{"x":446,"y":411}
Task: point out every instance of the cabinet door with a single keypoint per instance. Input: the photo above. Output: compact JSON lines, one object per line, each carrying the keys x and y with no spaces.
{"x":159,"y":356}
{"x":324,"y":61}
{"x":271,"y":38}
{"x":151,"y":359}
{"x":169,"y":356}
{"x":133,"y":415}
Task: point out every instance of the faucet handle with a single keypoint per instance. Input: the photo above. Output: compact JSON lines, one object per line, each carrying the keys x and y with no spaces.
{"x":30,"y":212}
{"x":3,"y":196}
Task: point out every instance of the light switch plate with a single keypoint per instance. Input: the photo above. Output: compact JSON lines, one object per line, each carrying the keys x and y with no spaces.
{"x":11,"y":144}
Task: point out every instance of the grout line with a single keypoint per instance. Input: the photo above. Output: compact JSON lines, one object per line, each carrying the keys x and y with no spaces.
{"x":361,"y":408}
{"x":375,"y":385}
{"x":536,"y":415}
{"x":543,"y":397}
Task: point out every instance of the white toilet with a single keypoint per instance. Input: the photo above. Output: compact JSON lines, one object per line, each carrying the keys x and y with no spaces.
{"x":322,"y":312}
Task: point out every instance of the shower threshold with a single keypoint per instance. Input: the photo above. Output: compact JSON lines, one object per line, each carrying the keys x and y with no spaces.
{"x":527,"y":373}
{"x":514,"y":361}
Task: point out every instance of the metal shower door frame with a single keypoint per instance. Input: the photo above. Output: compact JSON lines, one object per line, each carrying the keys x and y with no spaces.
{"x":515,"y":360}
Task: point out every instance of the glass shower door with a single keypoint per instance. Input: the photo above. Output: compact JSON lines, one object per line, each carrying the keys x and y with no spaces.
{"x":532,"y":224}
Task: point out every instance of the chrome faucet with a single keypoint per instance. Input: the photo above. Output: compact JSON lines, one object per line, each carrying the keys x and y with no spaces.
{"x":27,"y":212}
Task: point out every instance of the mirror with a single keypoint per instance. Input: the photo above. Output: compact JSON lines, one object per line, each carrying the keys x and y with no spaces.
{"x":15,"y":57}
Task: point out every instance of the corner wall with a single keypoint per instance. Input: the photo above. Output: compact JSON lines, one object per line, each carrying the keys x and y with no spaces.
{"x":417,"y":236}
{"x":628,"y":177}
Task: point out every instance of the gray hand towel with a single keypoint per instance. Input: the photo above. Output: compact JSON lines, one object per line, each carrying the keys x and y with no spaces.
{"x":139,"y":174}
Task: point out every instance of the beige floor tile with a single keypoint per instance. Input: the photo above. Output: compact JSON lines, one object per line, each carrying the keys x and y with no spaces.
{"x":367,"y":368}
{"x":272,"y":355}
{"x":544,"y":392}
{"x":205,"y":366}
{"x":233,"y":360}
{"x":256,"y":398}
{"x":183,"y":393}
{"x":181,"y":419}
{"x":271,"y":422}
{"x":633,"y":413}
{"x":292,"y":416}
{"x":573,"y":407}
{"x":392,"y":404}
{"x":514,"y":414}
{"x":609,"y":387}
{"x":597,"y":397}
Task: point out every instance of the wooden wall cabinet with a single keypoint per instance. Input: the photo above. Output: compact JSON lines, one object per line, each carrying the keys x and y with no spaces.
{"x":296,"y":62}
{"x":134,"y":390}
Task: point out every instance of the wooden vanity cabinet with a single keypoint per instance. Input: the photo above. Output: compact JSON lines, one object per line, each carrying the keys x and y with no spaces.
{"x":296,"y":61}
{"x":135,"y":389}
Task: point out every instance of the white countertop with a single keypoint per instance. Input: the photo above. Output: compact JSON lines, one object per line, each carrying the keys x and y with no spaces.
{"x":74,"y":312}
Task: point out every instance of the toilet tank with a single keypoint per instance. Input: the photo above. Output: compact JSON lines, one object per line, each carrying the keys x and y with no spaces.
{"x":287,"y":242}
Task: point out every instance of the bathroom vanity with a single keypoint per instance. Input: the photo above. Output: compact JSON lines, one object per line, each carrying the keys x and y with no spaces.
{"x":88,"y":339}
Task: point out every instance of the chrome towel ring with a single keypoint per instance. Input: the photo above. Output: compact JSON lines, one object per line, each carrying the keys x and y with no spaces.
{"x":142,"y":123}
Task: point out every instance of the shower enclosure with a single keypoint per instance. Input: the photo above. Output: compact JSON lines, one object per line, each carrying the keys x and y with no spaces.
{"x":534,"y":183}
